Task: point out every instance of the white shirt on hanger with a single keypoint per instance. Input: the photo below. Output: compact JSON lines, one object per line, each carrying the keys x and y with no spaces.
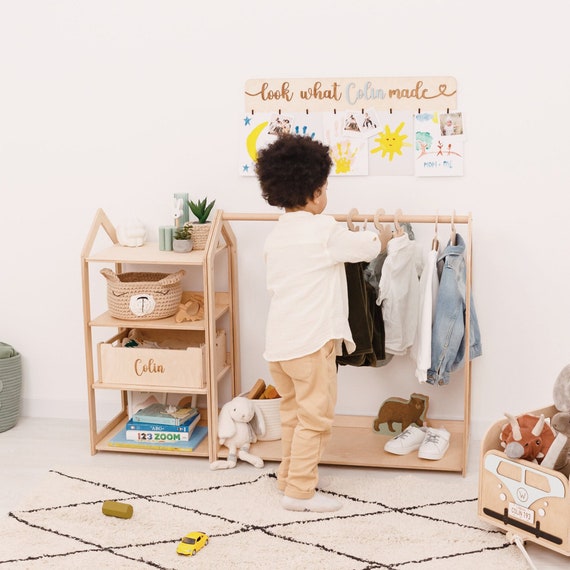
{"x":429,"y":285}
{"x":398,"y":293}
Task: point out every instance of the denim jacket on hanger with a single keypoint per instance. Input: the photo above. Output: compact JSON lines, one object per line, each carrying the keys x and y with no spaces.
{"x":448,"y":331}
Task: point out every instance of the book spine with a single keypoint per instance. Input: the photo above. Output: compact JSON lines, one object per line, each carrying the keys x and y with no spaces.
{"x":161,"y":420}
{"x":145,"y":426}
{"x":156,"y":436}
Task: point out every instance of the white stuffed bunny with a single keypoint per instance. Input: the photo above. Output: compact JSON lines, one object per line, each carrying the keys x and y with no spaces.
{"x":239,"y":424}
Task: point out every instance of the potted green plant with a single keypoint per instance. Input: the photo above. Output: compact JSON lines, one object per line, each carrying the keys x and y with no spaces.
{"x":201,"y":209}
{"x":182,"y":238}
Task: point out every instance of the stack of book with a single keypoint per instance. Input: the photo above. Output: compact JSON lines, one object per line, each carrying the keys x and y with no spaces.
{"x":159,"y":426}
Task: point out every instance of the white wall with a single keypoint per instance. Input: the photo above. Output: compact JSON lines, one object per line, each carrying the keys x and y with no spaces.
{"x":119,"y":104}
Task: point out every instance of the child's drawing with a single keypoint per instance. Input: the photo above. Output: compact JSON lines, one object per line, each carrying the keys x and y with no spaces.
{"x":438,"y":154}
{"x":390,"y":150}
{"x":254,"y":136}
{"x":348,"y":154}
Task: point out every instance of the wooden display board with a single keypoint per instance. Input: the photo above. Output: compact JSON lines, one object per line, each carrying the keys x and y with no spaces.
{"x":374,"y":126}
{"x":319,"y":94}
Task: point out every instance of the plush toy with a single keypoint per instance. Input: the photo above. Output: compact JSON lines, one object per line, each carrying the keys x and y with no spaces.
{"x":527,"y":437}
{"x":560,"y":421}
{"x":535,"y":439}
{"x":558,"y":457}
{"x":239,"y":423}
{"x":561,"y":390}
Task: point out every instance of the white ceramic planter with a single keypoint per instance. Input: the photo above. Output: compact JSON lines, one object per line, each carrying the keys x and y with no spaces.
{"x":182,"y":245}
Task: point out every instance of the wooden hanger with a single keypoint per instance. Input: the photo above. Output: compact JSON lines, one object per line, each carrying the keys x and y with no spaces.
{"x":435,"y":241}
{"x":350,"y":223}
{"x":397,"y":226}
{"x":453,"y":236}
{"x":384,"y":231}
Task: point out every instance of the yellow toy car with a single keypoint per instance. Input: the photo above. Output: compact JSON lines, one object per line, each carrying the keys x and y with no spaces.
{"x":192,"y":543}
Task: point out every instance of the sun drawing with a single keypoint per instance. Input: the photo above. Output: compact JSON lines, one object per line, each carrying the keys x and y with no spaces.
{"x":391,"y":142}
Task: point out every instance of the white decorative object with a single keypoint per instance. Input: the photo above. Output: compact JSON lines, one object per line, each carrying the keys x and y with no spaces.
{"x":141,"y":305}
{"x":177,"y":211}
{"x":131,"y":233}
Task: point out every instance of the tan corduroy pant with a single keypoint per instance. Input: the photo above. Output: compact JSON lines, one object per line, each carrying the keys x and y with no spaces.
{"x":308,"y":388}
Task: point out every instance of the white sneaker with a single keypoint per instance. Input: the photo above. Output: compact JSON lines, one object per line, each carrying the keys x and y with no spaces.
{"x":409,"y":440}
{"x":317,"y":503}
{"x":435,"y":444}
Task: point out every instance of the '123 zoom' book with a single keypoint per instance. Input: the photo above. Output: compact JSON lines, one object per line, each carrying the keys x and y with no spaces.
{"x":199,"y":433}
{"x":137,"y":432}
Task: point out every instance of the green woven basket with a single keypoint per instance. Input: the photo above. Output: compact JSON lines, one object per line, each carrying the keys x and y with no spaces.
{"x":10,"y":386}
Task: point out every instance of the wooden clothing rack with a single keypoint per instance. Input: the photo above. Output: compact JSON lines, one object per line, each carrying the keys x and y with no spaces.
{"x":353,"y":441}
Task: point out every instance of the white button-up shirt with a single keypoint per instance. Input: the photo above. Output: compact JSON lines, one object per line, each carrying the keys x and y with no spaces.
{"x":305,"y":256}
{"x":399,"y":293}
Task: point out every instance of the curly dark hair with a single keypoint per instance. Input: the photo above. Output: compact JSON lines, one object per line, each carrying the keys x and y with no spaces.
{"x":291,"y":169}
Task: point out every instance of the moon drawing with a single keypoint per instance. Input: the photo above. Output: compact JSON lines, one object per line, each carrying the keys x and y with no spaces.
{"x":251,"y":141}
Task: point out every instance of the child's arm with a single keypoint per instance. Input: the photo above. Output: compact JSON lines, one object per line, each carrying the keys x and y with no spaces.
{"x":351,"y":247}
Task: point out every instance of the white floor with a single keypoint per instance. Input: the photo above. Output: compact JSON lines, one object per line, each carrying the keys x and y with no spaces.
{"x":33,"y":446}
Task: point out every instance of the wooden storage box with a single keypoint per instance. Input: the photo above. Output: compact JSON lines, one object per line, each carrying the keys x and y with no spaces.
{"x":521,"y":497}
{"x":178,"y":361}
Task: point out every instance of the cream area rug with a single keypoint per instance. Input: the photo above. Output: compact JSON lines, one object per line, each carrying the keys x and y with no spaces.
{"x":397,"y":522}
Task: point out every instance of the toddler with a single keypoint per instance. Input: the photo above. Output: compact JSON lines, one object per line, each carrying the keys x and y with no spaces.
{"x":308,"y":314}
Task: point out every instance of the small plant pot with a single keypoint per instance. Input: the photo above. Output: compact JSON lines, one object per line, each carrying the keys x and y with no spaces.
{"x":182,"y":245}
{"x":200,"y":234}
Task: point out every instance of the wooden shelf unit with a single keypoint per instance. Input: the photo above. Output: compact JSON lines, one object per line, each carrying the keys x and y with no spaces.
{"x":353,"y":440}
{"x":217,"y":304}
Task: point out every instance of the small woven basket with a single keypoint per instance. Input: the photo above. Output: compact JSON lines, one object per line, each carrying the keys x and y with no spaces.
{"x":10,"y":386}
{"x":272,"y":418}
{"x":200,"y":234}
{"x":146,"y":296}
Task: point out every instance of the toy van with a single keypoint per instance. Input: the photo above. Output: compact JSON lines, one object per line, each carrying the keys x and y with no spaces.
{"x":521,"y":497}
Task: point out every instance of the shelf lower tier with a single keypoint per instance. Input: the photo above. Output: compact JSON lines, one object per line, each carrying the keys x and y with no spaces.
{"x":354,"y":442}
{"x":103,"y":444}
